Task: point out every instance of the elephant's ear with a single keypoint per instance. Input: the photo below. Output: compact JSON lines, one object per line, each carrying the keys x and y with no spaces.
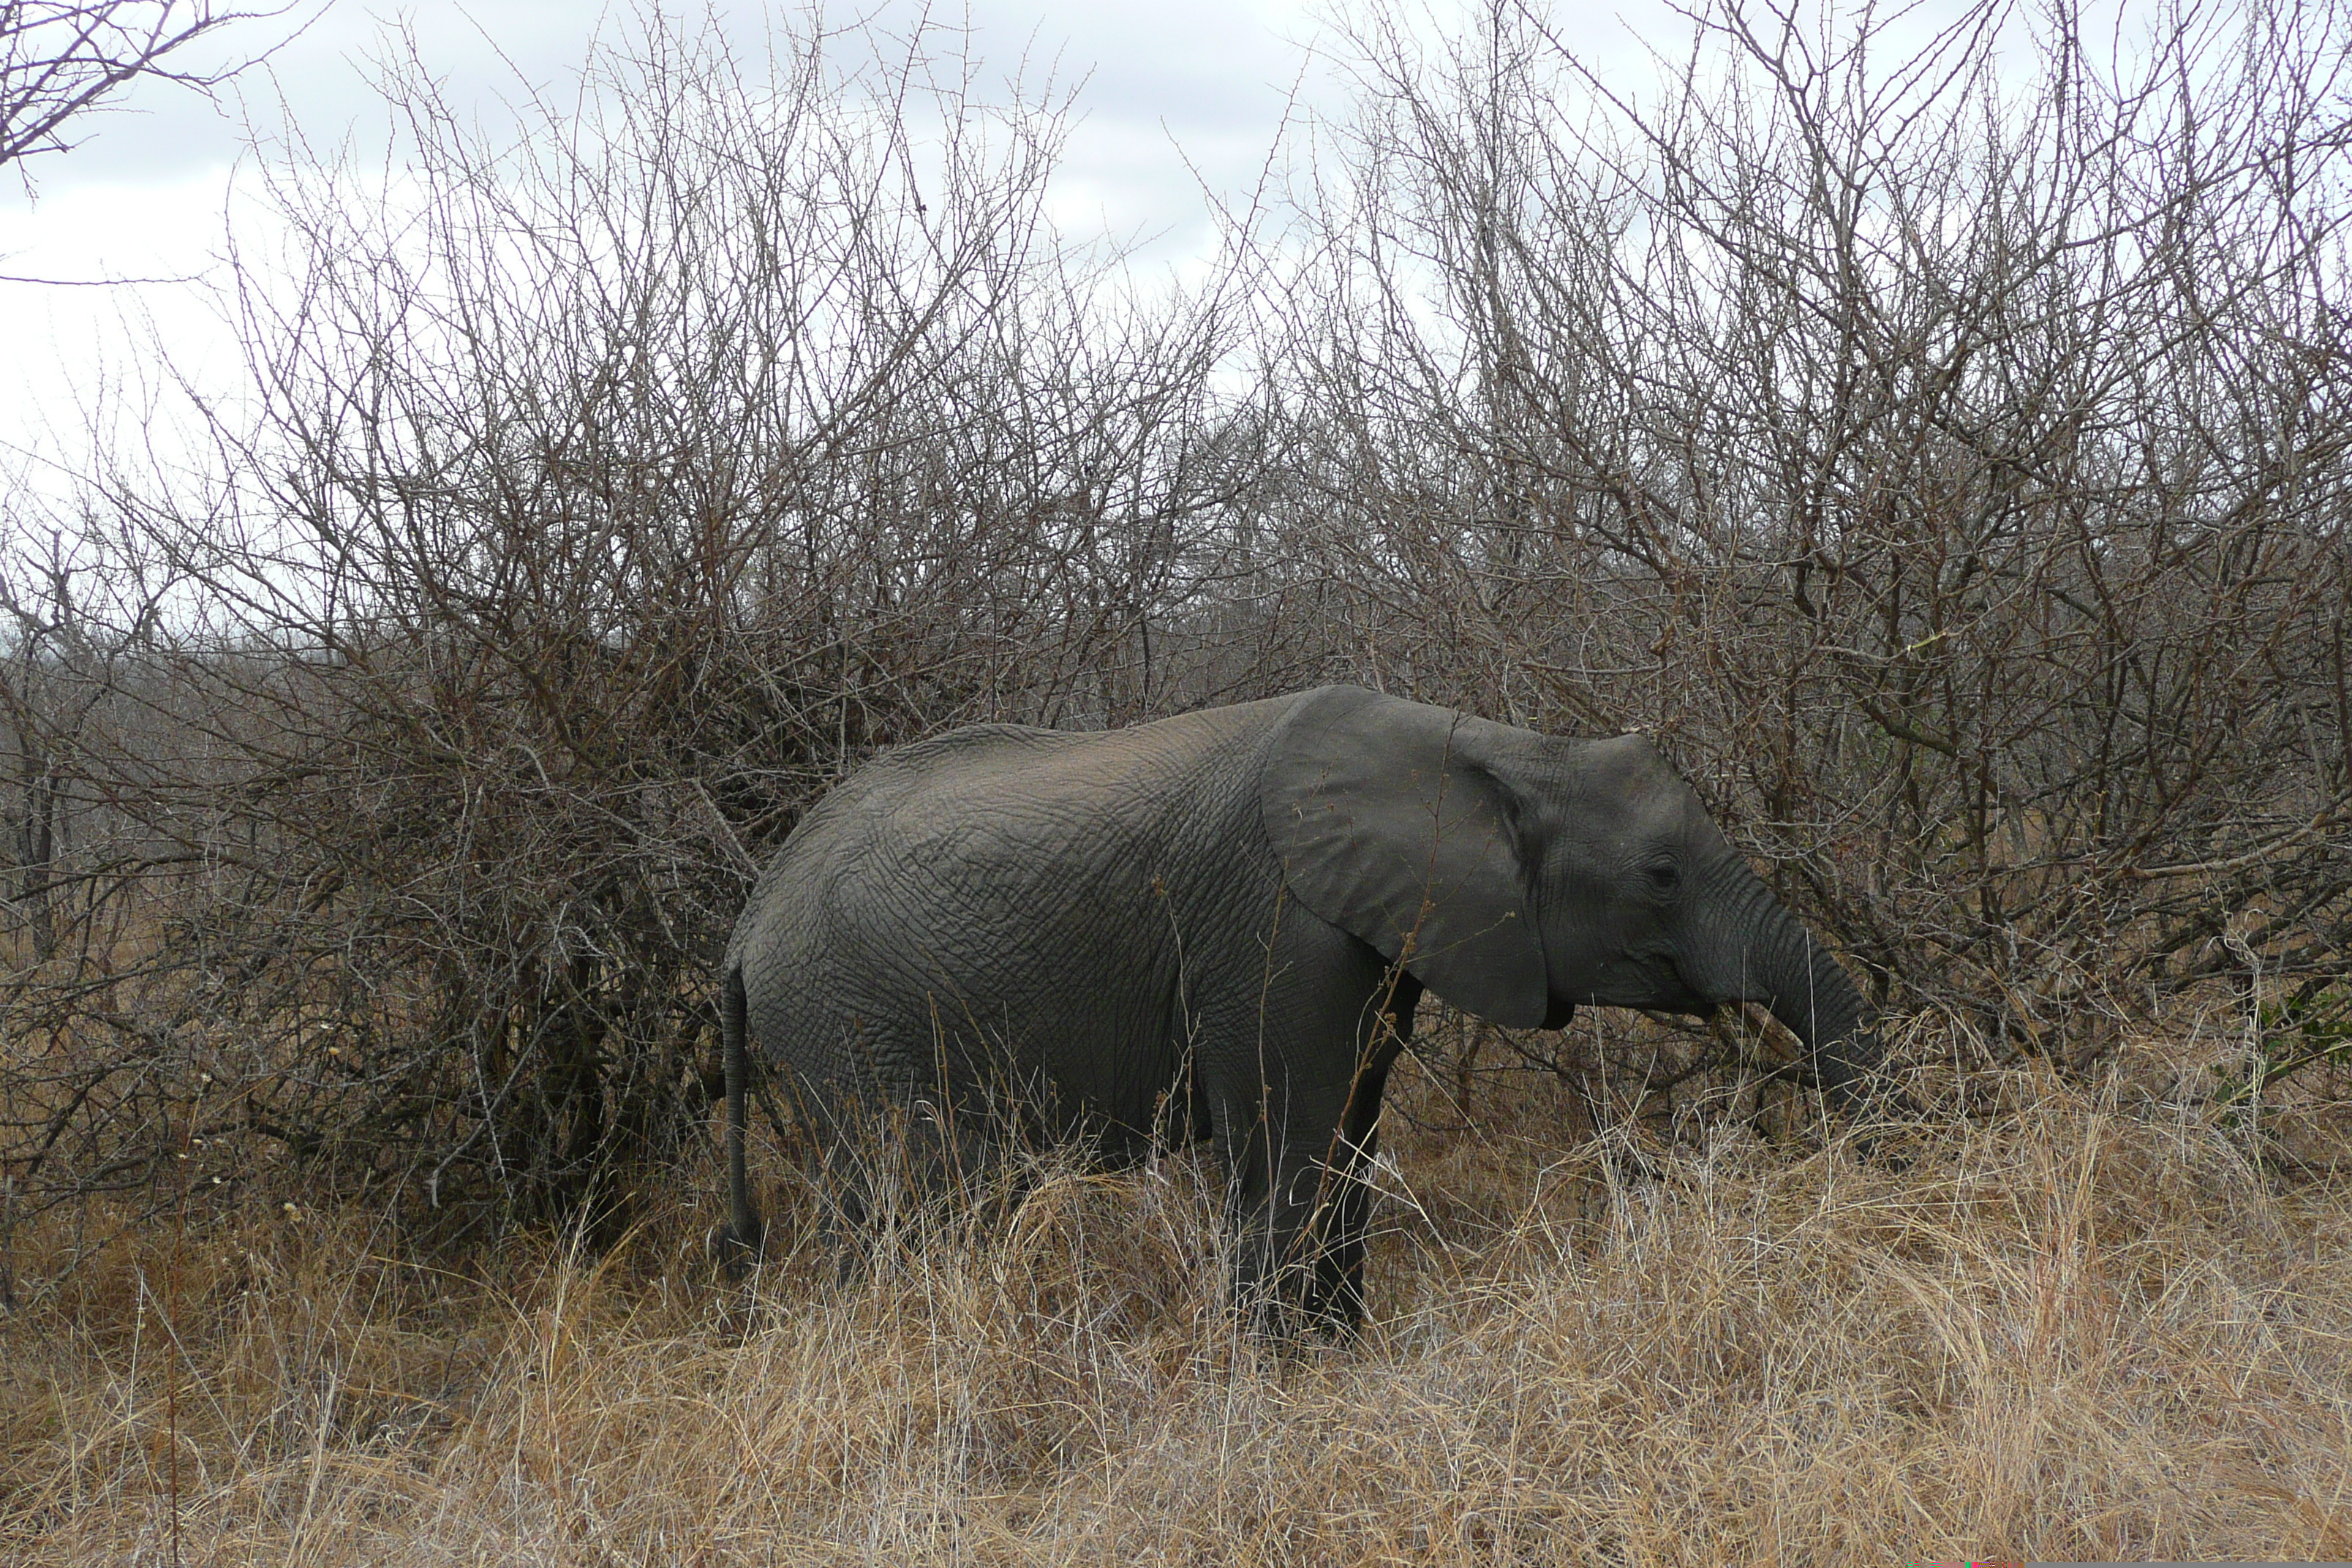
{"x":1389,"y":826}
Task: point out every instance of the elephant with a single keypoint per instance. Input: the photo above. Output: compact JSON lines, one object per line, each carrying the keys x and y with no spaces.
{"x":1217,"y":926}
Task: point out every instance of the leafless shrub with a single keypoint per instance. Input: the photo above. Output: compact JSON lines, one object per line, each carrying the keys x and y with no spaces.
{"x":60,"y":61}
{"x":610,"y":493}
{"x":1947,"y":460}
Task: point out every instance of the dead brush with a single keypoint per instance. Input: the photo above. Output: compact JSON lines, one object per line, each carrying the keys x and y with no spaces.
{"x":2092,"y":1327}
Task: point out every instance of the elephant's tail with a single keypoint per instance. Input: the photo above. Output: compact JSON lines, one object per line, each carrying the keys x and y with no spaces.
{"x":737,"y":1243}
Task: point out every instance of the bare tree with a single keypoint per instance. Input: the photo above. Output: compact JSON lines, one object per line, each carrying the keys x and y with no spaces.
{"x":60,"y":61}
{"x":1949,"y":461}
{"x":612,"y":493}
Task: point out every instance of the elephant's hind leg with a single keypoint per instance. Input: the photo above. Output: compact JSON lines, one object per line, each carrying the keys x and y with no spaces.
{"x":892,"y":1169}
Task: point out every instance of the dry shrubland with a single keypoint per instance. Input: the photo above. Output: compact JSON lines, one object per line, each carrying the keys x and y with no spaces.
{"x":1940,"y":440}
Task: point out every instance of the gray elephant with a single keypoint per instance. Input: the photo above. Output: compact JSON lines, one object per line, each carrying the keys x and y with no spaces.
{"x":1217,"y":926}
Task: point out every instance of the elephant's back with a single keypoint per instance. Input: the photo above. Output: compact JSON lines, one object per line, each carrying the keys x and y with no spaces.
{"x":983,"y":772}
{"x":1074,"y":777}
{"x":988,"y":814}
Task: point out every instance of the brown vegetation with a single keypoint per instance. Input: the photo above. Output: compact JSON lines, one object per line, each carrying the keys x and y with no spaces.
{"x":2095,"y":1331}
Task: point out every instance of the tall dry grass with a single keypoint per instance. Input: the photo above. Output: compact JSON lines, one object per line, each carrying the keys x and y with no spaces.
{"x":2088,"y":1328}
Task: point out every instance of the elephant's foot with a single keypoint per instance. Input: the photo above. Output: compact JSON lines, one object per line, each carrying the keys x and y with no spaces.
{"x":736,"y":1246}
{"x":1308,"y":1298}
{"x":1288,"y":1319}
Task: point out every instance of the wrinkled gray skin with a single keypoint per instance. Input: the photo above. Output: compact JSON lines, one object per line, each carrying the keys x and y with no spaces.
{"x":1193,"y":929}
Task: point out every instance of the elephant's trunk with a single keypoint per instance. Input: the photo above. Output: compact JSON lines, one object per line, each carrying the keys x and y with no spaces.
{"x":1793,"y":975}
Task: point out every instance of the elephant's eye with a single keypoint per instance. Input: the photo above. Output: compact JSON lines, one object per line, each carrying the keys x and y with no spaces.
{"x":1664,"y":877}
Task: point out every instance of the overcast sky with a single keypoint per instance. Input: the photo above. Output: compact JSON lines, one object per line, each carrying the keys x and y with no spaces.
{"x":146,"y":192}
{"x":1203,"y":84}
{"x":1210,"y":74}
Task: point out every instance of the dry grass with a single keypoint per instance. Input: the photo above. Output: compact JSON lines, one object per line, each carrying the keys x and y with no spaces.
{"x":2090,"y":1329}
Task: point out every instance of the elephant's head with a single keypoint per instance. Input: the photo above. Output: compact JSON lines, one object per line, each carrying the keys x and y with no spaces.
{"x":1519,"y":876}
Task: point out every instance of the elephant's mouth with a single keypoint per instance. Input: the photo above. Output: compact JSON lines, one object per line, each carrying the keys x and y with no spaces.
{"x":1655,"y":985}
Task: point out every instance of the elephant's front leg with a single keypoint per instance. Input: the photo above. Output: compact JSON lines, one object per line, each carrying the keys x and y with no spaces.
{"x":1338,"y":1229}
{"x":1300,"y":1202}
{"x":1294,"y":1072}
{"x":1284,"y":1192}
{"x":1344,"y":1222}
